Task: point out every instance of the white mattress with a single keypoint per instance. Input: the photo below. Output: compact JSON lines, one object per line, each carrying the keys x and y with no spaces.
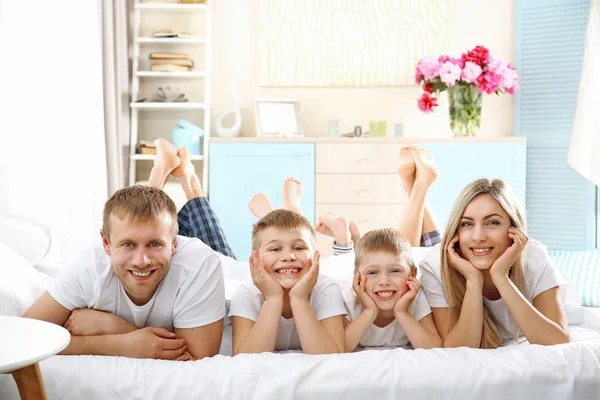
{"x":569,"y":371}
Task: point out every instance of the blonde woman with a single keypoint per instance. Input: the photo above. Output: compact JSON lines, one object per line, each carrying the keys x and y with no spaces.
{"x":499,"y":284}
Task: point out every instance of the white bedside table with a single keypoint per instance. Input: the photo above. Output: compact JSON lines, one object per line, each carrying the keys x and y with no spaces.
{"x":24,"y":342}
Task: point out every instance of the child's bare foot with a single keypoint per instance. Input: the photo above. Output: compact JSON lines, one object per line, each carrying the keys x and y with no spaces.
{"x":336,"y":226}
{"x":426,"y":173}
{"x":355,"y":232}
{"x":292,"y":195}
{"x":407,"y":168}
{"x":260,"y":205}
{"x":165,"y":162}
{"x":185,"y":168}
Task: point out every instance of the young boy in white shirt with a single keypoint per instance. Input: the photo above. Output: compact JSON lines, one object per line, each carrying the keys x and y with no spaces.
{"x":289,"y":306}
{"x":385,"y":304}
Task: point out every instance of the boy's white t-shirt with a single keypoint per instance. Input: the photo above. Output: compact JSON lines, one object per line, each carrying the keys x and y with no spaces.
{"x":191,"y":294}
{"x":391,"y":335}
{"x":325,"y":300}
{"x":541,"y":274}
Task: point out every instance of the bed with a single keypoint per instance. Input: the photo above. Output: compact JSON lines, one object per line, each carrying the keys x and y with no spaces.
{"x":519,"y":371}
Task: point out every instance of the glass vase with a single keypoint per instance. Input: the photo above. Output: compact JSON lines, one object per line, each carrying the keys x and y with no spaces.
{"x":465,"y":109}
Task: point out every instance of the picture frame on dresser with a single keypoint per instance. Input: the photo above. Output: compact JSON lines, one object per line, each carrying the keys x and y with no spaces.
{"x":278,"y":117}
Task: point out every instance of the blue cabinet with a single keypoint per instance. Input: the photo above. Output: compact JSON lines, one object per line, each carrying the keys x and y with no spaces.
{"x":237,"y":171}
{"x":462,"y":162}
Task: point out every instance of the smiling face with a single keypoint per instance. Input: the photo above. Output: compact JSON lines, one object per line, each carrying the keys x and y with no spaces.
{"x":483,"y":231}
{"x":285,"y":254}
{"x":386,"y":277}
{"x":141,"y":252}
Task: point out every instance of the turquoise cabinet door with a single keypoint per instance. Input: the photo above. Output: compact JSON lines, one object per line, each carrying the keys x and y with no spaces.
{"x":237,"y":171}
{"x":460,"y":163}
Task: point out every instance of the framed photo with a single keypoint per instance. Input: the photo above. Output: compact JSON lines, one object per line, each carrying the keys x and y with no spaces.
{"x":278,"y":117}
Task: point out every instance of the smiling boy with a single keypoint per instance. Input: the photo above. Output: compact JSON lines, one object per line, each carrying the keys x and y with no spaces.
{"x":288,"y":306}
{"x":153,"y":294}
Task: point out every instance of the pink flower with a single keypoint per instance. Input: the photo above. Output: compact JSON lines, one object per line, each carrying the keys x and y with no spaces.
{"x":510,"y":80}
{"x":428,"y":87}
{"x":449,"y":73}
{"x":479,"y":55}
{"x":428,"y":68}
{"x":455,"y":61}
{"x":488,"y":82}
{"x":427,"y":102}
{"x":471,"y":72}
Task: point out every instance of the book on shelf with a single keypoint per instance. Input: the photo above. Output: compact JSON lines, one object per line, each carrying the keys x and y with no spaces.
{"x":174,"y":61}
{"x":172,"y":33}
{"x":157,"y":56}
{"x":146,"y":147}
{"x":170,"y":68}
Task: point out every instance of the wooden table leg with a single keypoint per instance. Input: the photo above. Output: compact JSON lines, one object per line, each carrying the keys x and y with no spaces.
{"x":30,"y":383}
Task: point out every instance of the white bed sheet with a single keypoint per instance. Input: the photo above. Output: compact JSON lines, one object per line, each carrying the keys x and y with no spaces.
{"x":569,"y":371}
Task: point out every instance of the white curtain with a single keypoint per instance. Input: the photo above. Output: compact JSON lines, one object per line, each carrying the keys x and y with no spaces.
{"x":585,"y":142}
{"x":115,"y":62}
{"x":52,"y":148}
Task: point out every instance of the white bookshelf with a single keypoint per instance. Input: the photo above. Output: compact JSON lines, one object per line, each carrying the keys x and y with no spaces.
{"x":202,"y":73}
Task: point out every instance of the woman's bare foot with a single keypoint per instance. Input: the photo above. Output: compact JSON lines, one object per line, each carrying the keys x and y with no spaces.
{"x":407,"y":168}
{"x":260,"y":205}
{"x":165,"y":162}
{"x":186,"y":175}
{"x":292,"y":195}
{"x":336,"y":226}
{"x":355,"y":232}
{"x":426,"y":173}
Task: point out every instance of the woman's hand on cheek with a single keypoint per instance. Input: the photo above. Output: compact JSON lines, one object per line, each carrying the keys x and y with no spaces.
{"x":262,"y":280}
{"x":463,"y":266}
{"x":502,"y":265}
{"x":302,"y":288}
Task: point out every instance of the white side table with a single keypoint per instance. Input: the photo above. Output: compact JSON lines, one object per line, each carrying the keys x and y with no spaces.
{"x":23,"y":343}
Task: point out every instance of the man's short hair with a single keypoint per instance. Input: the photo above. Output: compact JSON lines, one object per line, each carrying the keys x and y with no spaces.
{"x":385,"y":240}
{"x":138,"y":204}
{"x":282,"y":219}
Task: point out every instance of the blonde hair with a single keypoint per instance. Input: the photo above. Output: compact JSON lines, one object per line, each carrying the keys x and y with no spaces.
{"x":282,"y":219}
{"x":139,"y":204}
{"x":453,"y":281}
{"x":386,"y":240}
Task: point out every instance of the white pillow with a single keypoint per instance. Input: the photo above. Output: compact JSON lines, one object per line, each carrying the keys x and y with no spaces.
{"x":29,"y":239}
{"x":20,"y":283}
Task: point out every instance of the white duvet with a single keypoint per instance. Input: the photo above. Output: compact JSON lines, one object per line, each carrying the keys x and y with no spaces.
{"x":519,"y":371}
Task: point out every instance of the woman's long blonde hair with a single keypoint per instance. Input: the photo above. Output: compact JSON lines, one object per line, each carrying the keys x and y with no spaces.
{"x":454,"y":282}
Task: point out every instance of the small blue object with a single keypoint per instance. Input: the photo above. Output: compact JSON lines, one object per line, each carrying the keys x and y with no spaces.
{"x":398,"y":129}
{"x":187,"y":138}
{"x":189,"y":126}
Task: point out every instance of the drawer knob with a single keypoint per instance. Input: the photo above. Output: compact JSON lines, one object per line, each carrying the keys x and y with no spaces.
{"x":365,"y":220}
{"x":308,"y":153}
{"x":364,"y":159}
{"x":361,"y":191}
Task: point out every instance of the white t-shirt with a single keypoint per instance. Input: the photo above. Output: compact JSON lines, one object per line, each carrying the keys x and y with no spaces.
{"x":325,"y":300}
{"x":541,"y":274}
{"x":191,"y":294}
{"x":391,"y":335}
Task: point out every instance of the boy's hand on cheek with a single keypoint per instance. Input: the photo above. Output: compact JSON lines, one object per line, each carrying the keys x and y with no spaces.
{"x":404,"y":302}
{"x":358,"y":284}
{"x":263,"y":281}
{"x":301,"y":290}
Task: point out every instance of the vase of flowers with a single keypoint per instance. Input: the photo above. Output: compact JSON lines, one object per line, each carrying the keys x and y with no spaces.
{"x":466,"y":79}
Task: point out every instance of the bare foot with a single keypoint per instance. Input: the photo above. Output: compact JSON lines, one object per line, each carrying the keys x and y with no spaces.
{"x":336,"y":226}
{"x":426,"y":173}
{"x":185,"y":168}
{"x":407,"y":168}
{"x":355,"y":232}
{"x":292,"y":195}
{"x":165,"y":162}
{"x":260,"y":205}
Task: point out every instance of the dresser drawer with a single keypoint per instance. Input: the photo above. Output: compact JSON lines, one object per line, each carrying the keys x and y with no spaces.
{"x":360,"y":189}
{"x":340,"y":158}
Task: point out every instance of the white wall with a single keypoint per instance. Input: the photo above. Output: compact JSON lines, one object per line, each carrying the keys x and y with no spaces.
{"x":236,"y":58}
